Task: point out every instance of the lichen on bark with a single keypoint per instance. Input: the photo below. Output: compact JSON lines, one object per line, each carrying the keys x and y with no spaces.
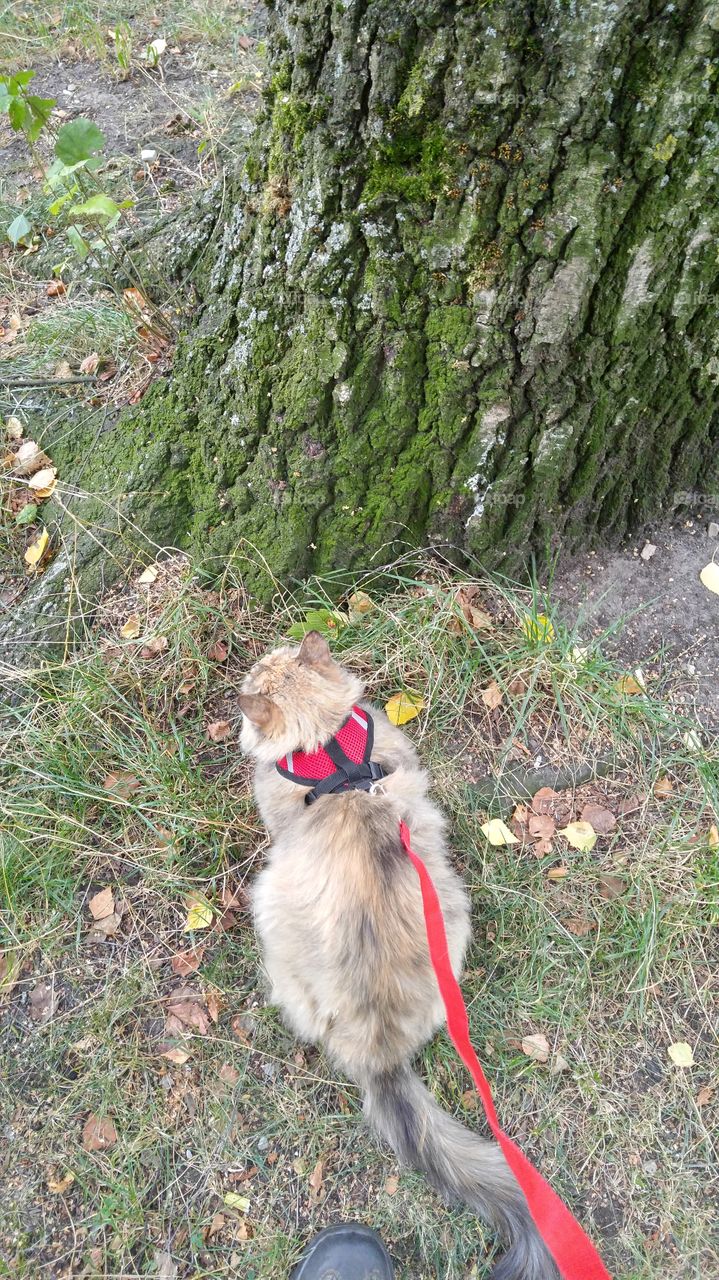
{"x":465,"y":291}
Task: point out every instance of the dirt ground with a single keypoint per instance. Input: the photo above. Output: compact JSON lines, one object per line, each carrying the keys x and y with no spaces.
{"x":663,"y":616}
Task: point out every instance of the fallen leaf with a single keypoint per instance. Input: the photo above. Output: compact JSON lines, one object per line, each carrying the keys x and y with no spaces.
{"x":55,"y":289}
{"x":517,"y":686}
{"x":391,"y":1185}
{"x":43,"y":482}
{"x":99,"y":1133}
{"x":245,"y":42}
{"x":107,"y":927}
{"x":559,"y":1064}
{"x":492,"y":696}
{"x":165,"y":1268}
{"x":602,"y":820}
{"x":469,"y":1099}
{"x":541,"y":826}
{"x":218,"y":651}
{"x":130,"y":629}
{"x":663,"y":787}
{"x":9,"y":971}
{"x":187,"y":961}
{"x":187,"y":1014}
{"x":402,"y":707}
{"x":90,"y":363}
{"x":63,"y":369}
{"x":228,"y":1074}
{"x":60,"y":1187}
{"x":315,"y":1180}
{"x":611,"y":886}
{"x":539,"y":628}
{"x":148,"y":575}
{"x":705,"y":1095}
{"x":121,"y":784}
{"x":219,"y":730}
{"x":692,"y":741}
{"x":44,"y":1001}
{"x":545,"y":800}
{"x":681,"y":1054}
{"x":215,"y":1226}
{"x":630,"y":685}
{"x":178,"y":1056}
{"x":579,"y":926}
{"x":14,"y":429}
{"x":536,"y":1047}
{"x":358,"y":605}
{"x":557,"y":873}
{"x":709,"y":577}
{"x":157,"y":645}
{"x":713,"y":837}
{"x":498,"y":833}
{"x":647,"y":551}
{"x":36,"y":550}
{"x":214,"y":1003}
{"x":629,"y":805}
{"x":102,"y":904}
{"x":235,"y":1201}
{"x":199,"y":914}
{"x":580,"y":835}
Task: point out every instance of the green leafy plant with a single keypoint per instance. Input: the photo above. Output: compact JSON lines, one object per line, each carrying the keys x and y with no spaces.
{"x":27,"y":112}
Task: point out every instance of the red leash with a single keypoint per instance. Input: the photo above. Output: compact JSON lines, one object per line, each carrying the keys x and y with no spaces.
{"x":568,"y":1244}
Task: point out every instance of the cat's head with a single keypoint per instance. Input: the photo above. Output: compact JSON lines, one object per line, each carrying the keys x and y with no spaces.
{"x":295,"y":698}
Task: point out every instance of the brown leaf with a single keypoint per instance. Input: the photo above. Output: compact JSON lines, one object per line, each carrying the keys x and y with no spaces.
{"x":99,"y":1133}
{"x":663,"y":787}
{"x":130,"y":629}
{"x":245,"y":42}
{"x":469,"y":1099}
{"x":219,"y":730}
{"x":545,"y":800}
{"x":228,"y":1074}
{"x":214,"y":1003}
{"x":492,"y":696}
{"x":705,"y":1095}
{"x":517,"y":686}
{"x":55,"y":289}
{"x":603,"y":820}
{"x":316,"y":1178}
{"x":44,"y":1000}
{"x":215,"y":1226}
{"x":187,"y":961}
{"x":579,"y":926}
{"x":102,"y":904}
{"x":218,"y":651}
{"x":158,"y":644}
{"x":536,"y":1047}
{"x":611,"y":886}
{"x":186,"y":1014}
{"x":121,"y":784}
{"x":59,"y":1187}
{"x":541,"y":848}
{"x":176,"y":1055}
{"x":105,"y":928}
{"x":541,"y":826}
{"x":630,"y":804}
{"x":391,"y":1185}
{"x":90,"y":363}
{"x":559,"y":1064}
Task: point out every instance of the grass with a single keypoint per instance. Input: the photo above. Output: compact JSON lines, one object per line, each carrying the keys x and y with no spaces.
{"x":620,"y":1133}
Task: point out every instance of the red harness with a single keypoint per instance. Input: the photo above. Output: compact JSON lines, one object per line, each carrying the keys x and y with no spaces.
{"x":343,"y":764}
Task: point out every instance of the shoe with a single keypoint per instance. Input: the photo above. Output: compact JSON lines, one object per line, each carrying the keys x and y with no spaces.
{"x":348,"y":1251}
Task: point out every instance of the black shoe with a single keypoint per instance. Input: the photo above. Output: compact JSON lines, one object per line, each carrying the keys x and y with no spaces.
{"x":345,"y":1252}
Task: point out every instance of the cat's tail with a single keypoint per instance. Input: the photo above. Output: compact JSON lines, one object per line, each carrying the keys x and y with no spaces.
{"x":460,"y":1166}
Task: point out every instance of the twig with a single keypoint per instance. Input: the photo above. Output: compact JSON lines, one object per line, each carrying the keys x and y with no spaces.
{"x":45,"y":382}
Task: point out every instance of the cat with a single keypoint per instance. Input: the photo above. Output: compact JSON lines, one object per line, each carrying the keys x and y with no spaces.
{"x":338,"y":912}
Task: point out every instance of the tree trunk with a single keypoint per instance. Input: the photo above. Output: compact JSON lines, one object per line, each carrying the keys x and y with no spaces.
{"x":464,"y":293}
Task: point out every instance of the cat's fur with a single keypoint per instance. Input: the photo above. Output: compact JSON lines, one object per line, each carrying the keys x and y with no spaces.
{"x":339,"y":915}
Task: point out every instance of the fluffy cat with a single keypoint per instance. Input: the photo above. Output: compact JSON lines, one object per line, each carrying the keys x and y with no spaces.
{"x":338,"y":912}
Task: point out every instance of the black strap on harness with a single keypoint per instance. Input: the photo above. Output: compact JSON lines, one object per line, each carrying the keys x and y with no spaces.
{"x":348,"y":775}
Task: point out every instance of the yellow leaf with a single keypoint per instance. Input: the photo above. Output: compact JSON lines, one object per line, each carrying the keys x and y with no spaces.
{"x":498,"y":833}
{"x":713,"y":836}
{"x":58,"y":1188}
{"x":681,"y":1054}
{"x":402,"y":707}
{"x":36,"y":550}
{"x":581,"y":835}
{"x":359,"y":603}
{"x":709,"y":577}
{"x":630,"y":685}
{"x":43,"y":482}
{"x":199,"y":914}
{"x":131,"y":628}
{"x":663,"y":787}
{"x":14,"y":429}
{"x":235,"y":1201}
{"x":557,"y":873}
{"x":148,"y":575}
{"x":539,"y":628}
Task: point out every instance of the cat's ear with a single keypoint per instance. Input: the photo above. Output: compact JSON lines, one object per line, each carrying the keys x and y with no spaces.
{"x":314,"y":650}
{"x":259,"y":709}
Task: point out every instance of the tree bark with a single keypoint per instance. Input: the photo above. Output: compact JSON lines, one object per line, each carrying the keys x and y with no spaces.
{"x":465,"y":292}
